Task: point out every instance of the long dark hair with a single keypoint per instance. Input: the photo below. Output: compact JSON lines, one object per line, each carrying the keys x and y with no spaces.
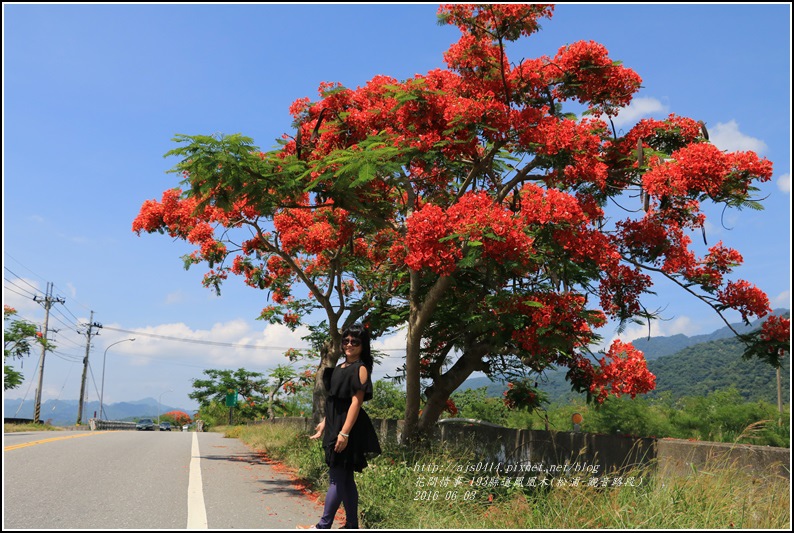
{"x":358,"y":331}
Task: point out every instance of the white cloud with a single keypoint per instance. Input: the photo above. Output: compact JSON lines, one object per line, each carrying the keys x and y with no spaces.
{"x":394,"y":348}
{"x":174,"y":298}
{"x":79,"y":239}
{"x":782,"y":300}
{"x":72,"y":289}
{"x":232,"y":344}
{"x":728,"y":137}
{"x":659,"y":328}
{"x":153,"y":365}
{"x":784,"y":183}
{"x":638,"y":109}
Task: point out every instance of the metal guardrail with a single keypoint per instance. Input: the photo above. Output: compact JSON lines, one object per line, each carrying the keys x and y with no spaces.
{"x":110,"y":424}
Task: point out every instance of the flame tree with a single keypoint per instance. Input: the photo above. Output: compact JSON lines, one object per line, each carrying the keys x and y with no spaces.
{"x":469,"y":204}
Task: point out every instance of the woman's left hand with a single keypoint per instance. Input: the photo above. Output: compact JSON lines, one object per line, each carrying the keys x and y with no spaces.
{"x":341,"y":443}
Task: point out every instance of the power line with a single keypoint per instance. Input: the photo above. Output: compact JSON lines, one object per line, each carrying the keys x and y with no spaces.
{"x":27,"y":296}
{"x":69,"y":326}
{"x":22,"y":265}
{"x":68,"y":357}
{"x":22,"y":279}
{"x":57,"y":341}
{"x":41,"y":278}
{"x":73,"y":315}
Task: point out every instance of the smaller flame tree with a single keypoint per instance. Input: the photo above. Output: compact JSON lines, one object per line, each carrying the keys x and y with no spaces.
{"x":176,"y":417}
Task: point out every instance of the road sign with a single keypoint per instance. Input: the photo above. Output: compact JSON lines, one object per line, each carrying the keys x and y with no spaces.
{"x":231,"y":399}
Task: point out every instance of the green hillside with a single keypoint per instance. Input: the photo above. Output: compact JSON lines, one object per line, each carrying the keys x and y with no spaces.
{"x":699,"y":365}
{"x":706,"y":367}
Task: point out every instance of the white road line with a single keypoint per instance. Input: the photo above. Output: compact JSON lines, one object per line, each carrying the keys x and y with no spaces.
{"x":196,"y":512}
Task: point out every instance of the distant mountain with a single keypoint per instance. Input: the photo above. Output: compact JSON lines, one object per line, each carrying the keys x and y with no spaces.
{"x":656,"y":347}
{"x":64,"y":412}
{"x":684,"y":366}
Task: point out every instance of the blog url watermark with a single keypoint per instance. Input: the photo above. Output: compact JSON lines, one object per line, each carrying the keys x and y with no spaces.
{"x":464,"y":482}
{"x":499,"y":468}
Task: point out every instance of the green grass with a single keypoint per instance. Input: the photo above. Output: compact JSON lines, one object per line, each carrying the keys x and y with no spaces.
{"x":18,"y":428}
{"x":396,"y":494}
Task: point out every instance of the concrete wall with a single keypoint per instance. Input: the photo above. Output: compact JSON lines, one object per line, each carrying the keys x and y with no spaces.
{"x":606,"y":453}
{"x":682,"y":457}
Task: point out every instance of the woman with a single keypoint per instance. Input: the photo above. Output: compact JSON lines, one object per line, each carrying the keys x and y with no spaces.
{"x":349,"y":434}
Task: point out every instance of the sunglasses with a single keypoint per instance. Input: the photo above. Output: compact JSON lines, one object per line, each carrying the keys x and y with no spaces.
{"x":351,"y":342}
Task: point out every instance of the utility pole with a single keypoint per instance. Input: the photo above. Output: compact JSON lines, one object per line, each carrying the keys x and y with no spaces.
{"x":48,"y":301}
{"x":91,"y":324}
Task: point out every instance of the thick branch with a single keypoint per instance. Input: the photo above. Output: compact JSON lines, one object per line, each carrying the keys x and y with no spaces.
{"x":426,"y":306}
{"x":520,"y":176}
{"x":321,"y":297}
{"x":478,"y":167}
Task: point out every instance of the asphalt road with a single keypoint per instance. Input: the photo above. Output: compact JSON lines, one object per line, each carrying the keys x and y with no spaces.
{"x":144,"y":480}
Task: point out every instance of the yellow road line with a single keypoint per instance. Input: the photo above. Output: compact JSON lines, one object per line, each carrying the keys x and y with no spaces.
{"x":33,"y":443}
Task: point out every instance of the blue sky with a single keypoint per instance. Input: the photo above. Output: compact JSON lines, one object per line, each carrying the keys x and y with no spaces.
{"x":93,"y":95}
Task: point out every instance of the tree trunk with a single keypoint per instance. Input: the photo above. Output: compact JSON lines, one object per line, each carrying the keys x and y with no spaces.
{"x":318,"y":396}
{"x":443,"y":386}
{"x":271,"y":414}
{"x":412,"y":384}
{"x":421,"y":310}
{"x":329,"y":355}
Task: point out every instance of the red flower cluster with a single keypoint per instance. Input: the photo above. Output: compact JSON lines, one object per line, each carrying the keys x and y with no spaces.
{"x":620,"y":291}
{"x":427,"y":241}
{"x":451,"y":408}
{"x":424,"y":367}
{"x":180,"y":219}
{"x":290,"y":387}
{"x":703,"y":168}
{"x":509,"y":21}
{"x":593,"y":78}
{"x":746,"y":298}
{"x":541,"y":206}
{"x":522,"y":395}
{"x":662,"y":135}
{"x":552,"y":324}
{"x":626,"y":372}
{"x":180,"y":417}
{"x":291,"y":319}
{"x":719,"y":261}
{"x":776,"y":329}
{"x":312,"y":231}
{"x":436,"y":238}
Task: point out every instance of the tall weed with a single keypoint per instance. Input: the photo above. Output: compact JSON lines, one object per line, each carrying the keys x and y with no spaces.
{"x":429,"y":487}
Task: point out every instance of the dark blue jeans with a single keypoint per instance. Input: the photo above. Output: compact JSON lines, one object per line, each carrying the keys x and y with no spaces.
{"x":341,"y":491}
